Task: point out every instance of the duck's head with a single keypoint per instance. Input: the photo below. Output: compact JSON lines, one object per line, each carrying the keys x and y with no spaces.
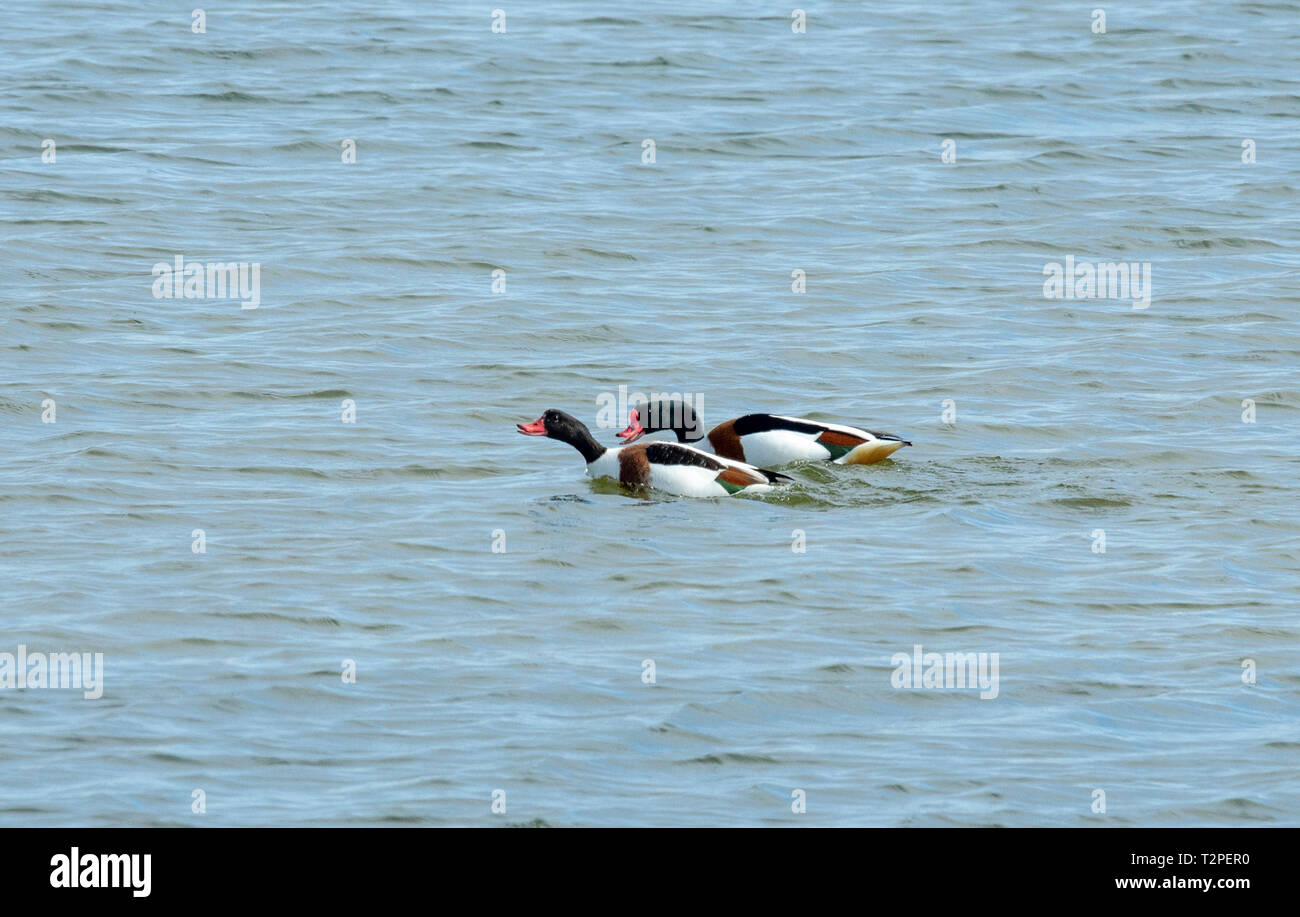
{"x":555,"y":424}
{"x":567,"y":429}
{"x":665,"y":414}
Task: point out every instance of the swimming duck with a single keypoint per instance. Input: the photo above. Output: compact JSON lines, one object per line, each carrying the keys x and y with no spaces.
{"x":670,"y":467}
{"x":765,"y":439}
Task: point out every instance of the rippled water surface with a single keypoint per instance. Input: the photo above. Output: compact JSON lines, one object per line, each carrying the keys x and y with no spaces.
{"x":522,"y":670}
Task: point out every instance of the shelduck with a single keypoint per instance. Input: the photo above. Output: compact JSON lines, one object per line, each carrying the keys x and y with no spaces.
{"x":765,"y":439}
{"x":670,"y":467}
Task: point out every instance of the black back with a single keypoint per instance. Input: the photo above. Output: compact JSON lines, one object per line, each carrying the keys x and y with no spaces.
{"x":669,"y":454}
{"x":762,"y":423}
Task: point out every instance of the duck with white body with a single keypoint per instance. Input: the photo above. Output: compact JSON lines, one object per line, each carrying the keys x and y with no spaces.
{"x":765,"y":439}
{"x":674,"y":468}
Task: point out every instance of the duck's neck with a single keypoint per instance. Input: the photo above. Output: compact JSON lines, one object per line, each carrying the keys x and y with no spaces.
{"x":584,"y":442}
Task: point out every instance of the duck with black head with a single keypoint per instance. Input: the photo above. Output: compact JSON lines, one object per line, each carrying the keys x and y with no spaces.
{"x":765,"y":439}
{"x":671,"y":467}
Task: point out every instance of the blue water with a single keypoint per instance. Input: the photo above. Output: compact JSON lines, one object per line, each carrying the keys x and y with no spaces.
{"x":1037,"y":422}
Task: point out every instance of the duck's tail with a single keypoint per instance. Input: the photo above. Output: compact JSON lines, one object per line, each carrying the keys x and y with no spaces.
{"x":871,"y":452}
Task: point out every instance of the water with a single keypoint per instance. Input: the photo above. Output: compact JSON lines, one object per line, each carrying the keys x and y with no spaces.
{"x":522,"y":671}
